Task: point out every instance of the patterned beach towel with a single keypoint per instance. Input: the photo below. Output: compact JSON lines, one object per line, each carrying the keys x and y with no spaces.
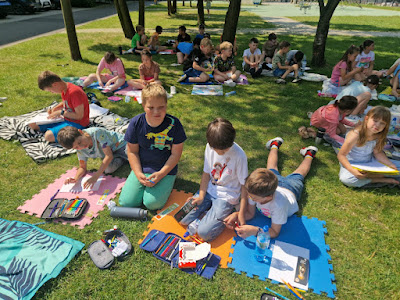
{"x":30,"y":256}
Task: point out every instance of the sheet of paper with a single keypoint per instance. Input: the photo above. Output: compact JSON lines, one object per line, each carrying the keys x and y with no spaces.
{"x":78,"y":186}
{"x":95,"y":110}
{"x":374,"y":166}
{"x":284,"y":263}
{"x":41,"y":119}
{"x":208,"y":90}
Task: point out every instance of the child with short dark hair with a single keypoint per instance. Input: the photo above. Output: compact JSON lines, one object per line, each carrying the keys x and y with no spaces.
{"x":252,"y":58}
{"x":269,"y":48}
{"x":224,"y":66}
{"x":138,"y":42}
{"x":202,"y":63}
{"x":279,"y":66}
{"x":332,"y":117}
{"x":154,"y":42}
{"x":149,"y":71}
{"x":111,"y":81}
{"x":74,"y":108}
{"x":94,"y":142}
{"x":222,"y":182}
{"x":155,"y":143}
{"x":182,"y":37}
{"x":274,"y":195}
{"x":201,"y":33}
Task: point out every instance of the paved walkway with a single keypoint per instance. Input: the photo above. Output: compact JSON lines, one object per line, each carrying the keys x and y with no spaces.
{"x":275,"y":13}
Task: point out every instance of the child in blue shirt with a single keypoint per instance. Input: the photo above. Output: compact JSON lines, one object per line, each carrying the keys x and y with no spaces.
{"x":94,"y":142}
{"x":155,"y":143}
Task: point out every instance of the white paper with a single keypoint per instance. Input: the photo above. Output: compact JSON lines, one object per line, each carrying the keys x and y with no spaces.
{"x":78,"y":186}
{"x":373,"y":166}
{"x":284,"y":262}
{"x":41,"y":119}
{"x":95,"y":110}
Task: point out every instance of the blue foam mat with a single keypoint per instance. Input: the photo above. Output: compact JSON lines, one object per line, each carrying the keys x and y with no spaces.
{"x":96,"y":86}
{"x":200,"y":83}
{"x":299,"y":231}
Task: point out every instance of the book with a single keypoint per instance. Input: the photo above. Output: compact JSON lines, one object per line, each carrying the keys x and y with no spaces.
{"x":375,"y":166}
{"x":41,"y":119}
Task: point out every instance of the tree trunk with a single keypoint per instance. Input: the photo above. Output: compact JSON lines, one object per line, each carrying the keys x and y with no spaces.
{"x":124,"y":18}
{"x":183,"y":3}
{"x":174,"y":7}
{"x":231,"y":21}
{"x":169,"y":7}
{"x":141,"y":12}
{"x":190,"y":2}
{"x":321,"y":35}
{"x":200,"y":12}
{"x":70,"y":28}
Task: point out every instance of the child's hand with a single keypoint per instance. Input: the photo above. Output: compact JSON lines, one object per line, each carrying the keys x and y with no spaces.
{"x":90,"y":182}
{"x":246,"y":231}
{"x":231,"y":220}
{"x":143,"y":179}
{"x":50,"y":111}
{"x":54,"y":114}
{"x":153,"y":179}
{"x":197,"y":201}
{"x":110,"y":82}
{"x":359,"y":174}
{"x":69,"y":180}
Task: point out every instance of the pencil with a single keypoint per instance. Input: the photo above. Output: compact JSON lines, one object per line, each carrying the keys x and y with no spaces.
{"x":293,"y":289}
{"x":279,"y":295}
{"x":204,"y":266}
{"x":297,"y":297}
{"x":153,"y":235}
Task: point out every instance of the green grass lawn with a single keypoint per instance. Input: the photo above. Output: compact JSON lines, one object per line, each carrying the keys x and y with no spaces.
{"x":363,"y":225}
{"x":363,"y":23}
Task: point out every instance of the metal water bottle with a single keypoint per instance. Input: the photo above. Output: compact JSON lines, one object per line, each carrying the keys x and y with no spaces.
{"x":320,"y":135}
{"x":129,"y":213}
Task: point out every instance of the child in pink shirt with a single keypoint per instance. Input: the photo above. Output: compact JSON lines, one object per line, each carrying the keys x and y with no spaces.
{"x":343,"y":72}
{"x":114,"y":80}
{"x":332,"y":117}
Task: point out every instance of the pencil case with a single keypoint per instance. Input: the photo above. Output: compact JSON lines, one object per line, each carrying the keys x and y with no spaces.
{"x":158,"y":242}
{"x":64,"y":208}
{"x":115,"y":245}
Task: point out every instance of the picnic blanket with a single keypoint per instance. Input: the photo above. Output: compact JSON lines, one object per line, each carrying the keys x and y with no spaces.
{"x":30,"y":256}
{"x":221,"y":246}
{"x":36,"y":147}
{"x":110,"y":186}
{"x":243,"y":81}
{"x":299,"y":231}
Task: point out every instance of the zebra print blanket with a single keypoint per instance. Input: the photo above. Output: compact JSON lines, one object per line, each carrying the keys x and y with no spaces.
{"x":15,"y":128}
{"x":30,"y":256}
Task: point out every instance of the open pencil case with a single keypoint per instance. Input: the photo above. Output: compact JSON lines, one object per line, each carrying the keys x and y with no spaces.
{"x":165,"y":246}
{"x":64,"y":208}
{"x":114,"y":245}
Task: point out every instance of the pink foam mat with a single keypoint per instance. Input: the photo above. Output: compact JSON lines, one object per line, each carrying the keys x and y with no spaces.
{"x":38,"y":203}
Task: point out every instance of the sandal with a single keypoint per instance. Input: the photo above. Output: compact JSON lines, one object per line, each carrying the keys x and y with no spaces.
{"x":311,"y":132}
{"x":303,"y":132}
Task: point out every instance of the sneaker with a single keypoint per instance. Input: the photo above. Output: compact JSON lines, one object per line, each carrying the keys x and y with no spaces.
{"x":278,"y":141}
{"x":3,"y":99}
{"x":310,"y":151}
{"x":281,"y":80}
{"x":230,"y":83}
{"x":265,"y":66}
{"x":296,"y":80}
{"x":182,"y":78}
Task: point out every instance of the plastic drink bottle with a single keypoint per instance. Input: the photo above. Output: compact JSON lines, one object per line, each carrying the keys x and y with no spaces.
{"x":192,"y":228}
{"x":262,"y":243}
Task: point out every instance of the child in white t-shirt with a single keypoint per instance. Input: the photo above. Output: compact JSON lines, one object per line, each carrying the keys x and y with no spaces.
{"x":222,"y":183}
{"x":366,"y":60}
{"x":275,"y":196}
{"x":252,"y":59}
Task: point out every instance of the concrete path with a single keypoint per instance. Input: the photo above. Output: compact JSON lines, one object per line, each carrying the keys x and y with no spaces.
{"x":275,"y":13}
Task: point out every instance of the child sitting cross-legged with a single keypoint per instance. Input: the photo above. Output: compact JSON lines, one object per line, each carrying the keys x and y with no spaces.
{"x":222,"y":182}
{"x":202,"y":65}
{"x":94,"y":142}
{"x":274,"y":195}
{"x":281,"y":67}
{"x":113,"y":80}
{"x":154,"y":41}
{"x":148,"y":71}
{"x":224,"y":66}
{"x":138,"y":42}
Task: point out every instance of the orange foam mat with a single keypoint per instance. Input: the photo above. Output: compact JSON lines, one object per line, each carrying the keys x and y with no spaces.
{"x":221,"y":246}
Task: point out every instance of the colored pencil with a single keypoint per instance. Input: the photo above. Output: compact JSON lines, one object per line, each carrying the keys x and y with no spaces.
{"x":52,"y":198}
{"x":173,"y":250}
{"x":170,"y":245}
{"x":205,"y":264}
{"x":154,"y":234}
{"x":279,"y":295}
{"x":54,"y":208}
{"x":292,"y":289}
{"x":297,"y":297}
{"x":163,"y":244}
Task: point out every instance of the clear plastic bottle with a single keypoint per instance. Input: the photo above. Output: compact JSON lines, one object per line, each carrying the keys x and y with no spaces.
{"x":127,"y":99}
{"x":192,"y":228}
{"x":262,"y":243}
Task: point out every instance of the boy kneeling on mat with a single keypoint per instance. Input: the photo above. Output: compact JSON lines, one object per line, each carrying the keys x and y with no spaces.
{"x":94,"y":142}
{"x":275,"y":196}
